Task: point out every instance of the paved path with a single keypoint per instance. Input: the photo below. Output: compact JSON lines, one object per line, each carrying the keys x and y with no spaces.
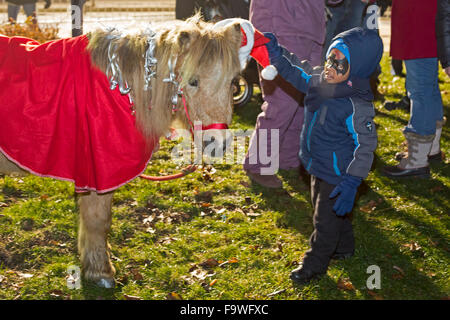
{"x":131,"y":15}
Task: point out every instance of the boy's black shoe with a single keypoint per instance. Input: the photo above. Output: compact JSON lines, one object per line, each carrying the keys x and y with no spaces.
{"x":342,"y":256}
{"x":302,"y":276}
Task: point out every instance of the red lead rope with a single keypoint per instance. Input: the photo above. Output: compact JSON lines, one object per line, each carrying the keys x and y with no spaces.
{"x":190,"y":168}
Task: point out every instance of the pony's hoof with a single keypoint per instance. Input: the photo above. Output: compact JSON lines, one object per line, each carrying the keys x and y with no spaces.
{"x":106,"y":283}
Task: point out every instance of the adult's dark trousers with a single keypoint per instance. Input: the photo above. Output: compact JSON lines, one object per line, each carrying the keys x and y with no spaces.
{"x":332,"y":233}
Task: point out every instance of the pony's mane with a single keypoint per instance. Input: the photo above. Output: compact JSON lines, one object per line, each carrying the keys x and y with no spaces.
{"x":196,"y":45}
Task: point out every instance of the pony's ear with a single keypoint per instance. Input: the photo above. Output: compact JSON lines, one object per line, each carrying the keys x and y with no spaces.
{"x":233,"y":32}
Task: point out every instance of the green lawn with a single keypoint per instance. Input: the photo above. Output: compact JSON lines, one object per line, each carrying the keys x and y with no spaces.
{"x":213,"y":235}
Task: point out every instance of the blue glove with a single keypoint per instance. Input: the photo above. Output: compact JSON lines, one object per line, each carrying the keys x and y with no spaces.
{"x":273,"y":48}
{"x":347,"y":189}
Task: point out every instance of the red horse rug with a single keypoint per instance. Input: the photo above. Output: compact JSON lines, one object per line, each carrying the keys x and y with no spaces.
{"x":60,"y":119}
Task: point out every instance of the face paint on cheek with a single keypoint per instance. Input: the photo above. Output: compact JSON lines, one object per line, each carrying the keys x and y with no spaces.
{"x":341,"y":66}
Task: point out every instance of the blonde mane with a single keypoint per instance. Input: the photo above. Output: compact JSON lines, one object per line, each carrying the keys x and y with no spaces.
{"x":198,"y":48}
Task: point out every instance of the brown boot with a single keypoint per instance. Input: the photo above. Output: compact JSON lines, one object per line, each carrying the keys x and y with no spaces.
{"x":268,"y":181}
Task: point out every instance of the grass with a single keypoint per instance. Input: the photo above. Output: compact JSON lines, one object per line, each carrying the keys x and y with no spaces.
{"x":214,"y":235}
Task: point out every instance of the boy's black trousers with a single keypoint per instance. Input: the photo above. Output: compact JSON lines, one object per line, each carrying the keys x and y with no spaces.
{"x":332,"y":233}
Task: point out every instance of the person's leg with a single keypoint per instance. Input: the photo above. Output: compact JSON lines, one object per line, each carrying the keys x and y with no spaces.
{"x":337,"y":14}
{"x":281,"y":112}
{"x":426,"y":112}
{"x":423,"y":90}
{"x":29,"y":8}
{"x":327,"y":226}
{"x":346,"y":243}
{"x":353,"y":15}
{"x":13,"y":11}
{"x":329,"y":230}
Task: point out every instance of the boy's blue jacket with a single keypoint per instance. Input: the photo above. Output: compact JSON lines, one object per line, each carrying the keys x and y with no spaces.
{"x":338,"y":136}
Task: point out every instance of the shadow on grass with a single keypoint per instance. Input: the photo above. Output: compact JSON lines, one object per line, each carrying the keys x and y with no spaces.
{"x":294,"y":213}
{"x":400,"y":279}
{"x":400,"y":276}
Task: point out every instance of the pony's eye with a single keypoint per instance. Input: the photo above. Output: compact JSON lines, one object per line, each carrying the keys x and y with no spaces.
{"x":193,"y":83}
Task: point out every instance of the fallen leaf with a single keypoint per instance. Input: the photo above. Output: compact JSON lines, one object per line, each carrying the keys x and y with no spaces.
{"x":127,"y":297}
{"x":174,"y":296}
{"x":24,"y":275}
{"x":245,"y":184}
{"x":345,"y":284}
{"x":233,"y":260}
{"x":199,"y":274}
{"x":151,"y":230}
{"x":280,"y":246}
{"x":412,"y":246}
{"x":148,"y":220}
{"x":221,"y":211}
{"x":212,"y":282}
{"x":292,"y":263}
{"x":136,"y":275}
{"x":399,"y":270}
{"x":3,"y":205}
{"x":397,"y":276}
{"x":27,"y":224}
{"x":374,"y":295}
{"x":56,"y":293}
{"x":436,"y":189}
{"x":276,"y":292}
{"x":2,"y":278}
{"x":253,"y":214}
{"x":369,"y":207}
{"x":206,"y":196}
{"x":209,"y":263}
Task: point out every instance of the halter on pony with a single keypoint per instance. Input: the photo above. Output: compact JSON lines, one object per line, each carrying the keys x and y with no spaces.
{"x":114,"y":74}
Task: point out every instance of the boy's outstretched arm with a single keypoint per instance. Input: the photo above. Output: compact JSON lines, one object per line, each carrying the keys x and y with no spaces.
{"x":288,"y":65}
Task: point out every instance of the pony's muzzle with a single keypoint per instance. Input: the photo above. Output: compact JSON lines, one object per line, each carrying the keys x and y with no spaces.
{"x":216,"y":142}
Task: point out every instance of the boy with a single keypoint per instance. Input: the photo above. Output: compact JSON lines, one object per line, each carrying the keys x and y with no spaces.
{"x":338,"y":137}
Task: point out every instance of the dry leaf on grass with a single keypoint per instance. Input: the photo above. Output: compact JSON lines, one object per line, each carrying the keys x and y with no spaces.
{"x":276,"y":292}
{"x":369,"y":207}
{"x":413,"y":246}
{"x":212,"y":282}
{"x":174,"y":296}
{"x":209,"y":263}
{"x":127,"y":297}
{"x":199,"y":274}
{"x":345,"y":284}
{"x":245,"y":184}
{"x":24,"y":275}
{"x":375,"y":295}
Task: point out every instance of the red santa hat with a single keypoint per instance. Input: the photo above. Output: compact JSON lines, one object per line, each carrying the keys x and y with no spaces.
{"x":252,"y":45}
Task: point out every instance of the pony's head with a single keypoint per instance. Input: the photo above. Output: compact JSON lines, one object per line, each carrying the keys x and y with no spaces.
{"x":196,"y":63}
{"x":207,"y":62}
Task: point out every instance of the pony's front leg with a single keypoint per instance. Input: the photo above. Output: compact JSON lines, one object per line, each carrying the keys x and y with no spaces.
{"x":95,"y":222}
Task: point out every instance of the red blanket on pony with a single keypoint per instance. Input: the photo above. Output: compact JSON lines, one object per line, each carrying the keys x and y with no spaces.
{"x":59,"y":118}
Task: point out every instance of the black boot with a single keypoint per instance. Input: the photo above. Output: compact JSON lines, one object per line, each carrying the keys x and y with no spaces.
{"x":404,"y":104}
{"x":342,"y":256}
{"x":302,"y":276}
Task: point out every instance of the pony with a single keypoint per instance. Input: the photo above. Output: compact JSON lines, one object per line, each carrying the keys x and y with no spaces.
{"x":91,"y":110}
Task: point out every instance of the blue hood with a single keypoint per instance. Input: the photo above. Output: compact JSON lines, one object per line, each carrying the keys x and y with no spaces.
{"x":366,"y":49}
